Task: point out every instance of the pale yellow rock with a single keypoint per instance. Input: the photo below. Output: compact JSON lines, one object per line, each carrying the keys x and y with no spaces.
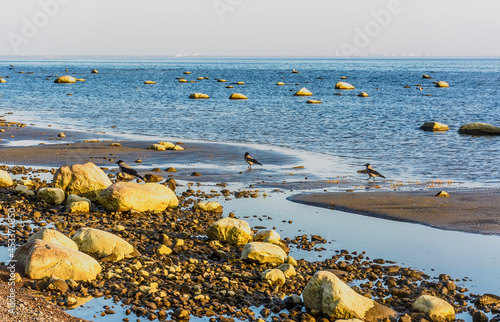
{"x":208,"y":206}
{"x":295,"y":71}
{"x":343,"y":85}
{"x":288,"y":270}
{"x":94,"y":71}
{"x":230,"y":230}
{"x":100,"y":243}
{"x":53,"y":196}
{"x":435,"y":308}
{"x":442,"y":84}
{"x":303,"y":92}
{"x":3,"y":80}
{"x":314,"y":102}
{"x":163,"y":250}
{"x":125,"y":196}
{"x":326,"y":293}
{"x":363,"y":94}
{"x":23,"y":190}
{"x":230,"y":86}
{"x":65,"y":79}
{"x":80,"y":79}
{"x":222,"y":80}
{"x":290,"y":260}
{"x":280,"y":83}
{"x":267,"y":236}
{"x":274,"y":277}
{"x":5,"y":179}
{"x":237,"y":96}
{"x":343,"y":77}
{"x":443,"y":194}
{"x":149,"y":82}
{"x":263,"y":253}
{"x":240,"y":83}
{"x":187,"y":73}
{"x":200,"y":78}
{"x":426,"y":76}
{"x":39,"y":258}
{"x":182,"y":80}
{"x":434,"y":126}
{"x":479,"y":129}
{"x":53,"y":236}
{"x":85,"y":180}
{"x":199,"y":96}
{"x":78,"y":207}
{"x":157,"y":147}
{"x":165,"y":145}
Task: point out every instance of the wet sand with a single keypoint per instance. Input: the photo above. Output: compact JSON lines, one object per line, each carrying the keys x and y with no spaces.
{"x":475,"y":210}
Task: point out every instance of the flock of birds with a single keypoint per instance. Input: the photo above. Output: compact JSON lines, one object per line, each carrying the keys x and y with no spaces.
{"x":127,"y":170}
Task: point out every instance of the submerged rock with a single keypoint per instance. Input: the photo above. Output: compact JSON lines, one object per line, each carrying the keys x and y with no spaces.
{"x":363,"y":94}
{"x":199,"y":96}
{"x":86,"y":180}
{"x":237,"y":96}
{"x":326,"y":293}
{"x":39,"y":258}
{"x":426,"y":76}
{"x":230,"y":230}
{"x":65,"y":80}
{"x":314,"y":102}
{"x":479,"y":129}
{"x":101,"y":243}
{"x":125,"y":196}
{"x":149,"y":82}
{"x":280,"y":83}
{"x":94,"y":71}
{"x":434,"y":126}
{"x":344,"y":85}
{"x":442,"y":84}
{"x":303,"y":92}
{"x":435,"y":308}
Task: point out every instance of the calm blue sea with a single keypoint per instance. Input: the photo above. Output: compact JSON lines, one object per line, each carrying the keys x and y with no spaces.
{"x":381,"y":129}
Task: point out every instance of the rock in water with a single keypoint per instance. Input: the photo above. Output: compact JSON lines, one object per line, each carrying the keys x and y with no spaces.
{"x":303,"y":92}
{"x":100,"y":242}
{"x":479,"y":129}
{"x":343,"y":85}
{"x":443,"y":194}
{"x":237,"y":96}
{"x":5,"y":179}
{"x":442,"y":84}
{"x":94,"y":71}
{"x":125,"y":196}
{"x":314,"y":102}
{"x":326,"y":293}
{"x":435,"y":308}
{"x":40,"y":258}
{"x":149,"y":82}
{"x":263,"y":253}
{"x":434,"y":126}
{"x":85,"y":180}
{"x":199,"y":96}
{"x":55,"y":237}
{"x":230,"y":230}
{"x":53,"y":196}
{"x":363,"y":94}
{"x":65,"y":80}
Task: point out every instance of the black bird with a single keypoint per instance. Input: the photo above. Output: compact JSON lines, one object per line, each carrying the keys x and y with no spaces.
{"x":126,"y":169}
{"x":251,"y":160}
{"x":372,"y":173}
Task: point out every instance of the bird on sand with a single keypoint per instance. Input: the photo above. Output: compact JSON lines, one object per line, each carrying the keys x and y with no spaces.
{"x":372,"y":173}
{"x":251,"y":160}
{"x":125,"y":169}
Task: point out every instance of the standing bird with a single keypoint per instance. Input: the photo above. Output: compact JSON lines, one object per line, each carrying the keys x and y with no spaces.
{"x":251,"y":160}
{"x":372,"y":173}
{"x":125,"y":169}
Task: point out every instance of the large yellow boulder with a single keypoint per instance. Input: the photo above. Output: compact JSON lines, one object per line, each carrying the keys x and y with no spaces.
{"x":65,"y":79}
{"x":208,"y":206}
{"x":38,"y":258}
{"x":230,"y":230}
{"x":199,"y":96}
{"x":125,"y":196}
{"x":85,"y":180}
{"x":435,"y":308}
{"x":237,"y":96}
{"x":442,"y":84}
{"x":5,"y":179}
{"x":479,"y":129}
{"x":303,"y":92}
{"x":263,"y":253}
{"x":343,"y":85}
{"x":434,"y":126}
{"x":53,"y":236}
{"x":326,"y":293}
{"x":101,"y":243}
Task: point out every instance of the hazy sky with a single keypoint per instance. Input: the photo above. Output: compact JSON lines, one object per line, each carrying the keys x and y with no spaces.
{"x":249,"y":27}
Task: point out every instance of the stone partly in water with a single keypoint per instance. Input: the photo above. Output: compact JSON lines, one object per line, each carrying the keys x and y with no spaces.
{"x":434,"y":126}
{"x":303,"y":92}
{"x":363,"y":94}
{"x":125,"y":196}
{"x":199,"y":96}
{"x":149,"y":82}
{"x":85,"y":180}
{"x":426,"y":76}
{"x":165,"y":145}
{"x":230,"y":230}
{"x":442,"y":84}
{"x":280,"y":83}
{"x":343,"y":85}
{"x":435,"y":308}
{"x":237,"y":96}
{"x":443,"y":194}
{"x":101,"y":243}
{"x":263,"y":253}
{"x":3,"y":80}
{"x":208,"y":206}
{"x":94,"y":71}
{"x":314,"y":102}
{"x":326,"y":293}
{"x":55,"y":237}
{"x":52,"y":196}
{"x":5,"y":179}
{"x":39,"y":258}
{"x":65,"y":80}
{"x":479,"y":129}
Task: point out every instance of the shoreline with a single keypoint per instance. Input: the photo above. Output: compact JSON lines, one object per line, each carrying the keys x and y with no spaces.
{"x":471,"y":210}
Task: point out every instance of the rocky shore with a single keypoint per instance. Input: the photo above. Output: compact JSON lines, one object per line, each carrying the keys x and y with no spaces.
{"x":180,"y":268}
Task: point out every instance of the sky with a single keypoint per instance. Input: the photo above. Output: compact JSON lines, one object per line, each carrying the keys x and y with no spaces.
{"x":249,"y":27}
